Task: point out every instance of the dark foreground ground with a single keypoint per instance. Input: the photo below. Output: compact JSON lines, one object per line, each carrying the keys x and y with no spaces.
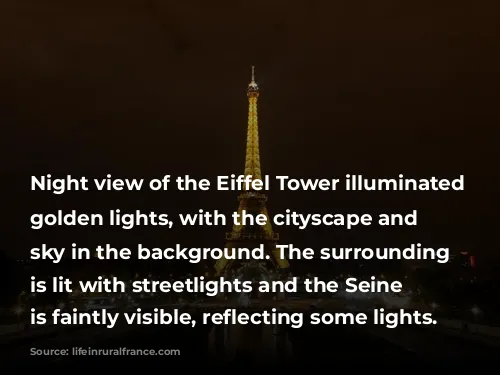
{"x":232,"y":346}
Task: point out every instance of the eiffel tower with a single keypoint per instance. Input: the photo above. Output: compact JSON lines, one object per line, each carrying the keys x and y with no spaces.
{"x":253,"y":202}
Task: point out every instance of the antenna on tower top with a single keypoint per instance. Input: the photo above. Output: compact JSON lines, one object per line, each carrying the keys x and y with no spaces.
{"x":253,"y":89}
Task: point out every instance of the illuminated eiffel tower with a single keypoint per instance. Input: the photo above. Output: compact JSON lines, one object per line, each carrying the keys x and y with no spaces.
{"x":253,"y":202}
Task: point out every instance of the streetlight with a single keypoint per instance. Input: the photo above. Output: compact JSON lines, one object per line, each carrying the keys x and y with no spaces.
{"x":475,"y":311}
{"x":18,"y":310}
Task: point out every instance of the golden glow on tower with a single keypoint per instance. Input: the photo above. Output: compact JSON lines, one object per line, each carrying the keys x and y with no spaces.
{"x":252,"y":160}
{"x":250,"y":201}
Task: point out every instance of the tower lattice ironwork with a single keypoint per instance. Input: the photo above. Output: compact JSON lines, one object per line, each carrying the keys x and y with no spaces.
{"x":253,"y":202}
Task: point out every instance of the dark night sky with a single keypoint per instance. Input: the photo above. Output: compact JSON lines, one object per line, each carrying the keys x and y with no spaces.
{"x":145,"y":88}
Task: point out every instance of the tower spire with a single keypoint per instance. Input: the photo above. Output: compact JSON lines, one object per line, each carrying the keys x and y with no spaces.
{"x":252,"y":159}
